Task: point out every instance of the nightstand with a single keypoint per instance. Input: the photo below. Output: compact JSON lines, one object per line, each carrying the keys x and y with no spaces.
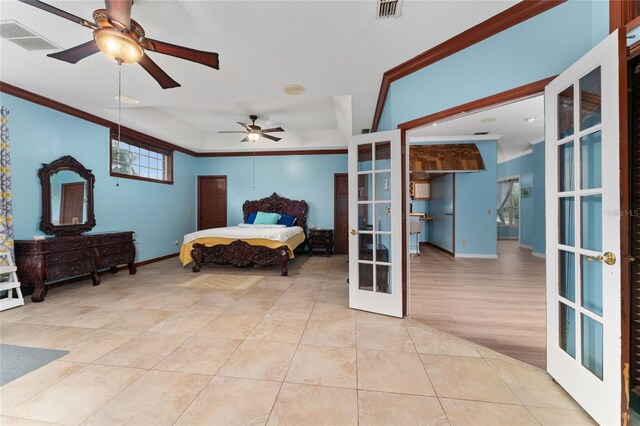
{"x":321,"y":238}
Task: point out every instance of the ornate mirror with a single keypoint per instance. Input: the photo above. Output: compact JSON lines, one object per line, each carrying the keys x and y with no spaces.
{"x":67,"y":197}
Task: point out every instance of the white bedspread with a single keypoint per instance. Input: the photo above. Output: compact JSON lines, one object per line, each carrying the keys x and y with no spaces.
{"x":275,"y":233}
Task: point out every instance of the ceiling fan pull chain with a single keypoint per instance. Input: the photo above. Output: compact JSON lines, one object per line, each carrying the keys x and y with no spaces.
{"x":119,"y":117}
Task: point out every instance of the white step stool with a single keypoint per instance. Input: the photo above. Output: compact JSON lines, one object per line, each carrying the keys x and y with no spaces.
{"x":12,"y":286}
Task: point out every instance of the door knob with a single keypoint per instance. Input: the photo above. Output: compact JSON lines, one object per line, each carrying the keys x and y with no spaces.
{"x":353,"y":232}
{"x":631,"y":259}
{"x":608,"y":258}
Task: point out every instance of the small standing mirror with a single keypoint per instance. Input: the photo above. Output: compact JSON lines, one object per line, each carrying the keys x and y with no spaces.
{"x":67,"y":197}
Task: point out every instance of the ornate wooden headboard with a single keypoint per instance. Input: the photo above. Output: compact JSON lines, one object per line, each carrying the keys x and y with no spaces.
{"x":278,"y":204}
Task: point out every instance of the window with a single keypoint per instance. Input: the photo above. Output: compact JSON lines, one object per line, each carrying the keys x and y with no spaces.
{"x":133,"y":159}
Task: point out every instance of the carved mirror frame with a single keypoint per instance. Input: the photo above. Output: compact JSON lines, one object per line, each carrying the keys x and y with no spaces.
{"x":65,"y":163}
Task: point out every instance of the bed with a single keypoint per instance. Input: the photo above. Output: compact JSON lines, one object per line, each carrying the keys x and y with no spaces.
{"x":250,"y":246}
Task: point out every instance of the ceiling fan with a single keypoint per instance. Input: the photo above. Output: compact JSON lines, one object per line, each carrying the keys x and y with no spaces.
{"x":253,"y":132}
{"x":121,"y":38}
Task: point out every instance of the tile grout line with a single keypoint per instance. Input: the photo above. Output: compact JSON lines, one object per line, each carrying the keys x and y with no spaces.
{"x":275,"y":400}
{"x":426,"y":373}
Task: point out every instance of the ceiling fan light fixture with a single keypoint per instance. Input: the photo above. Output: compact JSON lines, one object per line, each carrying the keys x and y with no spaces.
{"x":118,"y":46}
{"x":253,"y":136}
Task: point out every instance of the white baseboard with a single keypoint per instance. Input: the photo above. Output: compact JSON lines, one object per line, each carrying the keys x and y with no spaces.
{"x":526,"y":246}
{"x":476,"y":256}
{"x":543,"y":256}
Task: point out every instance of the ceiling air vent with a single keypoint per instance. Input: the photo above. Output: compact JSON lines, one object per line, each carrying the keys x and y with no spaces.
{"x":389,"y":8}
{"x":481,"y":133}
{"x":22,"y":36}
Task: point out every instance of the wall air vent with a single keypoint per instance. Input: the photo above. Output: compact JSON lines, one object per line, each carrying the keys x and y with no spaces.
{"x":389,"y":8}
{"x":22,"y":36}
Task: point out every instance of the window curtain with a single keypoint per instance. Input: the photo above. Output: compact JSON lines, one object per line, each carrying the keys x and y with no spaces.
{"x":6,"y":213}
{"x":504,"y":195}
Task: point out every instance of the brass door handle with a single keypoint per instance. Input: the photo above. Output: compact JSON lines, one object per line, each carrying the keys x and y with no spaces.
{"x":608,"y":258}
{"x":353,"y":232}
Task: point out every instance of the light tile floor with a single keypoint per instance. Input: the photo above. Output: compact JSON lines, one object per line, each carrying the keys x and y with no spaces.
{"x":288,"y":351}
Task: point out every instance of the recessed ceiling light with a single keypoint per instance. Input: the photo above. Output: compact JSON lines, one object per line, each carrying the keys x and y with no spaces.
{"x":488,"y":120}
{"x":126,"y":99}
{"x":293,"y":89}
{"x":434,"y":124}
{"x":530,"y":119}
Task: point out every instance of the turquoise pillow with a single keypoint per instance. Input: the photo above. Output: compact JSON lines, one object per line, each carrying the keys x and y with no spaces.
{"x":263,"y":218}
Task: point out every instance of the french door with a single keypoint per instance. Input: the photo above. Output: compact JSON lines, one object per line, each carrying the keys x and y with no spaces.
{"x":375,"y":222}
{"x":582,"y":135}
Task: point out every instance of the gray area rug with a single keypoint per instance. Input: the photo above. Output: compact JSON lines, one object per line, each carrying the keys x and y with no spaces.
{"x":16,"y":361}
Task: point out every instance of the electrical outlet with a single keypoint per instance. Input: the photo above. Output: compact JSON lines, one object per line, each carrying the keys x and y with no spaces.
{"x":464,"y":243}
{"x":175,"y":243}
{"x":190,"y":209}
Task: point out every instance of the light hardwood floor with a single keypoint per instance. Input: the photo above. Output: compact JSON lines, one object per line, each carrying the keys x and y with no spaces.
{"x":498,"y":303}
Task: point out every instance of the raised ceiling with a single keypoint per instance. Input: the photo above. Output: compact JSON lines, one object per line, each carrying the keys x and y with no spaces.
{"x":516,"y":125}
{"x":337,"y":50}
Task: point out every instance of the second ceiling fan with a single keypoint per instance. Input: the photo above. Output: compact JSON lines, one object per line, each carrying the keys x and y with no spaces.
{"x":253,"y":132}
{"x":121,"y":38}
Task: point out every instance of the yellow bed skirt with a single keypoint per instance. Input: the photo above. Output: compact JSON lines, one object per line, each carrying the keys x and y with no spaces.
{"x":291,"y":243}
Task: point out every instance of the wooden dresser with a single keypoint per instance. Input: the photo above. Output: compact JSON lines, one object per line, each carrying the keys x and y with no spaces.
{"x":53,"y":259}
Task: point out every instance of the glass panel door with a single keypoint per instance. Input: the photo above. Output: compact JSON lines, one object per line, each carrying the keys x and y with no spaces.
{"x":583,"y":237}
{"x":375,"y":250}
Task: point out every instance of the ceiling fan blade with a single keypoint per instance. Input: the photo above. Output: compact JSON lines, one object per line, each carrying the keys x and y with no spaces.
{"x":77,"y":53}
{"x":156,"y":72}
{"x":245,"y":140}
{"x":275,"y":129}
{"x":245,"y":125}
{"x":59,"y":12}
{"x":209,"y":59}
{"x":119,"y":11}
{"x":273,"y":138}
{"x":231,"y":131}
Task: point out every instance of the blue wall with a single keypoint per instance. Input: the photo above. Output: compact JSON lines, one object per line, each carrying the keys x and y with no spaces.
{"x":476,"y":205}
{"x":300,"y":177}
{"x":538,"y":48}
{"x":530,"y":168}
{"x":522,"y":167}
{"x":158,"y":213}
{"x":441,"y":228}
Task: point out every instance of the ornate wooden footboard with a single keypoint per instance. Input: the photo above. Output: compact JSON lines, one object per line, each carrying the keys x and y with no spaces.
{"x":240,"y":253}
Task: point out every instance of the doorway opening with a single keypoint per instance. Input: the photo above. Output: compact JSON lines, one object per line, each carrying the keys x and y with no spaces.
{"x":488,"y":284}
{"x":508,"y":208}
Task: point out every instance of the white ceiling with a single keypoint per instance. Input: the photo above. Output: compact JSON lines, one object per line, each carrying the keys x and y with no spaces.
{"x":515,"y":135}
{"x":337,"y":50}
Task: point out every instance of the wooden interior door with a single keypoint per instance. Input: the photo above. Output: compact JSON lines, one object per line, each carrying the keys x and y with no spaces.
{"x":634,"y":233}
{"x":72,"y":203}
{"x":341,"y":213}
{"x":212,"y":202}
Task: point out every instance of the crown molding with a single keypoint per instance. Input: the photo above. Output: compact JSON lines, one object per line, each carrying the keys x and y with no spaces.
{"x":273,"y":153}
{"x":504,"y":20}
{"x":75,"y":112}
